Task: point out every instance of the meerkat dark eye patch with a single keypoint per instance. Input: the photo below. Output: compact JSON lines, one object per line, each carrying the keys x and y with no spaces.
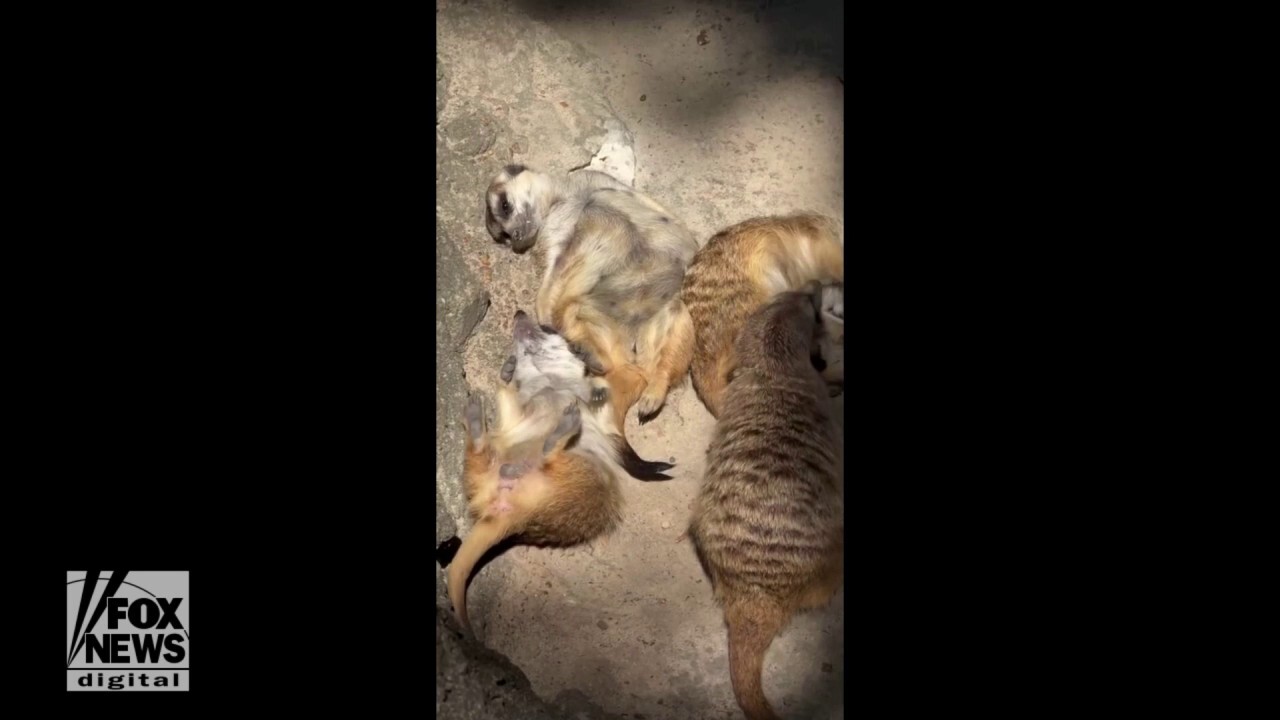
{"x":504,"y":206}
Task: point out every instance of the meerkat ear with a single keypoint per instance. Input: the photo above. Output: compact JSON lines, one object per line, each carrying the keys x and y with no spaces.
{"x":570,"y":425}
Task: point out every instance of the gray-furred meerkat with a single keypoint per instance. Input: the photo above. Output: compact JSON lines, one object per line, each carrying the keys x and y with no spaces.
{"x":613,"y":264}
{"x":740,"y":269}
{"x":542,"y":362}
{"x":767,"y":524}
{"x":549,"y":472}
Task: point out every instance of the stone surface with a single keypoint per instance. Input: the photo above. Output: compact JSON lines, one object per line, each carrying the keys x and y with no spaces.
{"x":472,"y":314}
{"x":446,"y":526}
{"x":442,"y":88}
{"x":455,"y":284}
{"x":474,"y":683}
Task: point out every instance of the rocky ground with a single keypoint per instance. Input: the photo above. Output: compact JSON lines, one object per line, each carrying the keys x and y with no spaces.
{"x":721,"y":111}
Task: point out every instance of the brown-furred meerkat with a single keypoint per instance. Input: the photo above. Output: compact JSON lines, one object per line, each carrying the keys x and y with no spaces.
{"x":740,"y":269}
{"x":549,"y":472}
{"x":613,"y":264}
{"x":767,"y":524}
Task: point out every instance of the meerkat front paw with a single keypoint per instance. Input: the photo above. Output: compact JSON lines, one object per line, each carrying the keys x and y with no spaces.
{"x":508,"y":369}
{"x":651,"y":402}
{"x":570,"y":424}
{"x":588,"y":358}
{"x":599,"y":395}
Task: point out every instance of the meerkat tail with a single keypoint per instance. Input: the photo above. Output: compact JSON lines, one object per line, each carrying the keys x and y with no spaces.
{"x":638,"y":467}
{"x":483,"y":536}
{"x":752,"y":623}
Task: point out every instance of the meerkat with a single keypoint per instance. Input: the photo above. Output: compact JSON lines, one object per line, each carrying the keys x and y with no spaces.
{"x":767,"y":524}
{"x":829,"y":358}
{"x":613,"y":263}
{"x":549,"y":472}
{"x":739,"y":270}
{"x":542,"y":361}
{"x":522,"y":481}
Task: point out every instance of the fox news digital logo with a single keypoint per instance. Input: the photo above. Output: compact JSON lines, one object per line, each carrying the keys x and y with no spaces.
{"x":128,"y":634}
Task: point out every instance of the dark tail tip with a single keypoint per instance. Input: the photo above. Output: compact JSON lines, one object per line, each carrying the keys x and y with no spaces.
{"x":638,"y":467}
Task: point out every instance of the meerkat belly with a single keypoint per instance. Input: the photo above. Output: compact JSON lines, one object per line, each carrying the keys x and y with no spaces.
{"x":511,"y":491}
{"x":635,"y":294}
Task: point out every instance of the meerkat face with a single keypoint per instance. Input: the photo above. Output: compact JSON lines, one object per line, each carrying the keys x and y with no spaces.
{"x":541,"y":351}
{"x":829,"y":352}
{"x":512,"y":215}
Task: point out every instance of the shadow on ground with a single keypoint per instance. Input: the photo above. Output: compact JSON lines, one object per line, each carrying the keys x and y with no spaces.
{"x":729,"y":45}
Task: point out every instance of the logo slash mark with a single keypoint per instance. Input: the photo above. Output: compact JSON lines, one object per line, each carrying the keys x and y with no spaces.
{"x":91,"y":583}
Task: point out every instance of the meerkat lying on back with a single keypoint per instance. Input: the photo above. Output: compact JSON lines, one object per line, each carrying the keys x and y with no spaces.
{"x":522,"y":481}
{"x":740,"y":269}
{"x":767,"y":524}
{"x":613,"y":264}
{"x":549,"y":472}
{"x":542,"y":362}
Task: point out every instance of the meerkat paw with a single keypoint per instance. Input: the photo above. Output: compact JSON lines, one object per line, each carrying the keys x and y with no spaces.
{"x":475,"y":416}
{"x":650,"y":403}
{"x":594,"y":366}
{"x":599,"y":395}
{"x":508,"y":369}
{"x":570,"y":424}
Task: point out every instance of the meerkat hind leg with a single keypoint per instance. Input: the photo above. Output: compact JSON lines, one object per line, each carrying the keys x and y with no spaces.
{"x":671,"y":361}
{"x":823,"y":587}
